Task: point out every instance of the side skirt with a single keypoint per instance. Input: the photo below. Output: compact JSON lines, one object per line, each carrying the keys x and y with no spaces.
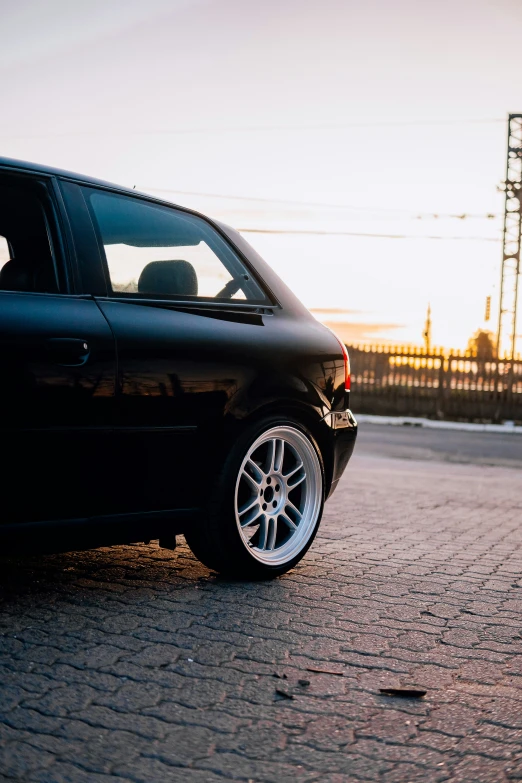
{"x":88,"y":533}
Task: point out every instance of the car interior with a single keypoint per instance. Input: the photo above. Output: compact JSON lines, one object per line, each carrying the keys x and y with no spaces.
{"x":129,"y":224}
{"x":169,"y":278}
{"x":179,"y":278}
{"x":23,"y":224}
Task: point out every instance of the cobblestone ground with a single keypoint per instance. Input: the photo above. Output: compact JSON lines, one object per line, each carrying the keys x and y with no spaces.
{"x":136,"y":664}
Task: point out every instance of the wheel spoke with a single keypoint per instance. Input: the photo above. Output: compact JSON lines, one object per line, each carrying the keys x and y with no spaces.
{"x":248,"y":505}
{"x":272,"y":533}
{"x":296,"y":483}
{"x":288,"y":521}
{"x":292,"y":472}
{"x":251,"y":481}
{"x":263,"y":534}
{"x":279,"y":454}
{"x":255,"y":513}
{"x":270,"y":456}
{"x":255,"y":481}
{"x":257,"y":470}
{"x":289,"y":504}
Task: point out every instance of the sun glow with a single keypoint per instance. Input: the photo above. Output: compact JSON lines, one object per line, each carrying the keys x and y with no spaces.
{"x":397,"y":138}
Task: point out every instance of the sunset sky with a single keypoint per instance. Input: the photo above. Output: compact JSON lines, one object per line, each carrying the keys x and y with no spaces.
{"x":381,"y":111}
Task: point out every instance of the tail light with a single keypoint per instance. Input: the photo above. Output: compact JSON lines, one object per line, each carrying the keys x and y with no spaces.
{"x":346,"y":361}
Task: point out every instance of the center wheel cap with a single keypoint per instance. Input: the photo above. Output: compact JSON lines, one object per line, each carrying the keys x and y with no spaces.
{"x":274,"y":494}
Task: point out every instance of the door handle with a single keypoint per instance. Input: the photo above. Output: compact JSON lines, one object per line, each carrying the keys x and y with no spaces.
{"x":67,"y":351}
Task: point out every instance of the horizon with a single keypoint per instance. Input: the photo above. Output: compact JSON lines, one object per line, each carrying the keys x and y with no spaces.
{"x":347,"y":166}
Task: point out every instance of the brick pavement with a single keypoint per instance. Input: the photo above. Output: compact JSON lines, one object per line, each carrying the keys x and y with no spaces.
{"x":136,"y":664}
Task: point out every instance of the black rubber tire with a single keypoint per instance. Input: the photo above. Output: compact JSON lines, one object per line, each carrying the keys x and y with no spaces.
{"x":216,"y":541}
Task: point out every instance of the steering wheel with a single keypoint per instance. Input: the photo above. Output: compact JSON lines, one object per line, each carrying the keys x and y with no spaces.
{"x":232,"y":287}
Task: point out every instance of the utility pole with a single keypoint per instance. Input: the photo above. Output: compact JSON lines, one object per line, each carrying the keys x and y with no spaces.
{"x":510,"y":276}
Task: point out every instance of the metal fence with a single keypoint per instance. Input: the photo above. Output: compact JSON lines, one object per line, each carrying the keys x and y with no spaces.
{"x":405,"y":381}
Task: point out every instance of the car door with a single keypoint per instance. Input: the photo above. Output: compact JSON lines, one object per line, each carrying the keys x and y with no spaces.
{"x":181,"y":306}
{"x":57,"y":366}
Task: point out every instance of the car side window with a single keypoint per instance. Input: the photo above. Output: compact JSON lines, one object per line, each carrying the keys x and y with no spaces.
{"x":27,"y":261}
{"x":158,"y":251}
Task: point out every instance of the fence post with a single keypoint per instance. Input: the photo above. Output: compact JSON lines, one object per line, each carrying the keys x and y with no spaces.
{"x":442,"y":387}
{"x":499,"y":394}
{"x":509,"y":413}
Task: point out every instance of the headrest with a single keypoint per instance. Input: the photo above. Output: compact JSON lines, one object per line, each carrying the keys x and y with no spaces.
{"x":168,"y":277}
{"x":16,"y":276}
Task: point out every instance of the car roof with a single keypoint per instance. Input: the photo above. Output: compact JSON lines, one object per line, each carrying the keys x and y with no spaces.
{"x":50,"y":171}
{"x":266,"y":272}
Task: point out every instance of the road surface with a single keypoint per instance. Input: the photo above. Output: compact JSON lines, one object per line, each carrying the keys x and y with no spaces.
{"x":134,"y":663}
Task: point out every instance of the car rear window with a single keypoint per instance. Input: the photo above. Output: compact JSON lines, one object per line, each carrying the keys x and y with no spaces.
{"x":158,"y":251}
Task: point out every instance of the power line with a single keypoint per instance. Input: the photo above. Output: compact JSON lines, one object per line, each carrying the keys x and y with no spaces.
{"x":257,"y":128}
{"x":231,"y":197}
{"x":326,"y":126}
{"x":413,"y":215}
{"x":357,"y":234}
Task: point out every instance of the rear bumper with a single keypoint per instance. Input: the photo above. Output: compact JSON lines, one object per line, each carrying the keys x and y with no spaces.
{"x":343,"y":428}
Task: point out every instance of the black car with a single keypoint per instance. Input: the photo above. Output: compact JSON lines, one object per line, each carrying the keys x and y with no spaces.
{"x":157,"y":378}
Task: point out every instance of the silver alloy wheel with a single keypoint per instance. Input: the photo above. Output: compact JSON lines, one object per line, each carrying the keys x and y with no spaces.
{"x":278,"y":495}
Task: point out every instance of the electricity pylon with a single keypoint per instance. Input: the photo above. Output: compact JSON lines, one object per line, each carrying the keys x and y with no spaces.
{"x":510,"y":276}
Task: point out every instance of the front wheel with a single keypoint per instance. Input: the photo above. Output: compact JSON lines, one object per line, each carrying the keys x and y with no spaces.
{"x":267,"y":503}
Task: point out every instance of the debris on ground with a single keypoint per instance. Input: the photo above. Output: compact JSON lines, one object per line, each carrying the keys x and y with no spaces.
{"x":404,"y":693}
{"x":304,"y":683}
{"x":283,"y":694}
{"x":280,"y":676}
{"x":323,"y":671}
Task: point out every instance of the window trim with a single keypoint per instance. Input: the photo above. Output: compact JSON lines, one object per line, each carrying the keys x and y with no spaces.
{"x":192,"y":303}
{"x":89,"y":272}
{"x":269,"y":303}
